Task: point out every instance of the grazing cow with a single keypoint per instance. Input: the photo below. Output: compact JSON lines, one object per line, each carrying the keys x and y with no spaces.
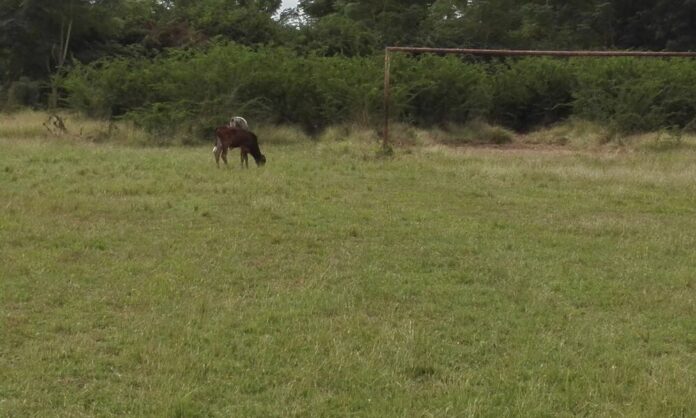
{"x":235,"y":122}
{"x":227,"y":137}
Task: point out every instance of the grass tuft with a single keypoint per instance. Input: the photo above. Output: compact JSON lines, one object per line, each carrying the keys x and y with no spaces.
{"x":350,"y":133}
{"x":576,"y":134}
{"x":23,"y":124}
{"x":472,"y":133}
{"x":281,"y":135}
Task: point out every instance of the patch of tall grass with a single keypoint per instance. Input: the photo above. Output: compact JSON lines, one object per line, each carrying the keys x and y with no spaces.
{"x":23,"y":124}
{"x":573,"y":133}
{"x":281,"y":135}
{"x":33,"y":124}
{"x":585,"y":135}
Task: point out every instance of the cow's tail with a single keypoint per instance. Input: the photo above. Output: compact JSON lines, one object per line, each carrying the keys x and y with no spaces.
{"x":218,"y":142}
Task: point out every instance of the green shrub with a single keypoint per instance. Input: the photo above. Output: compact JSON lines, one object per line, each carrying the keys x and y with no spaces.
{"x":23,"y":93}
{"x":435,"y":90}
{"x":531,"y":92}
{"x":637,"y":95}
{"x":194,"y":90}
{"x":203,"y":88}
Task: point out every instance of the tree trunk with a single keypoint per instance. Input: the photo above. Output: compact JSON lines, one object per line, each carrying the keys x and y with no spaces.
{"x":60,"y":58}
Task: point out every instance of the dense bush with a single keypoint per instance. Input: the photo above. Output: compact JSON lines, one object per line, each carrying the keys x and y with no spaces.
{"x":198,"y":89}
{"x":441,"y":89}
{"x":207,"y":86}
{"x":22,"y":93}
{"x":636,"y":94}
{"x":531,"y":92}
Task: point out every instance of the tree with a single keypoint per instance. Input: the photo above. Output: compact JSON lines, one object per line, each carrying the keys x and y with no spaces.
{"x":392,"y":22}
{"x":339,"y":35}
{"x":446,"y":25}
{"x":243,"y":21}
{"x":661,"y":24}
{"x":38,"y":36}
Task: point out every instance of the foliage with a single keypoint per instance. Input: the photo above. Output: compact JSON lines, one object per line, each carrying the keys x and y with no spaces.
{"x":209,"y":85}
{"x":637,"y":95}
{"x":442,"y":89}
{"x":531,"y":92}
{"x":339,"y":36}
{"x":199,"y":88}
{"x":23,"y":93}
{"x":188,"y":64}
{"x":30,"y":30}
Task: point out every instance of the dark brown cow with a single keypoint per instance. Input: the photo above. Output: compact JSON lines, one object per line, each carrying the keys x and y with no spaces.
{"x":227,"y":137}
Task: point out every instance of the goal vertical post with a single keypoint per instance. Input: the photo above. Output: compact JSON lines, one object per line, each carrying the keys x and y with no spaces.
{"x":387,"y":73}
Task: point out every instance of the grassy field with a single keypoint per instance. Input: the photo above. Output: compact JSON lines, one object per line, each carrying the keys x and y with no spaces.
{"x":440,"y":282}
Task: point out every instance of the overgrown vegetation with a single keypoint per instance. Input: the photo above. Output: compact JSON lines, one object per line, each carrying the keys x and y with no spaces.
{"x":183,"y":66}
{"x":197,"y":89}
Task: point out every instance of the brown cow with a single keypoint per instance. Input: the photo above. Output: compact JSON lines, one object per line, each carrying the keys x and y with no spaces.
{"x":227,"y":137}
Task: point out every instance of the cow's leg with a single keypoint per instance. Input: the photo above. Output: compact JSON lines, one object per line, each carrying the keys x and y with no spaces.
{"x":245,"y":157}
{"x":224,"y":155}
{"x":217,"y":150}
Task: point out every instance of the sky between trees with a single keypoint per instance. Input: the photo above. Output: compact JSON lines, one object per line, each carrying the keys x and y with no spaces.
{"x":288,"y":4}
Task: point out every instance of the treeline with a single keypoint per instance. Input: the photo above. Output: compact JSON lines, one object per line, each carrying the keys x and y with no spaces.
{"x":162,"y":62}
{"x":196,"y":89}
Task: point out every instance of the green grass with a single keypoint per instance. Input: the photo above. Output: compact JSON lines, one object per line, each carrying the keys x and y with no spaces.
{"x":474,"y":282}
